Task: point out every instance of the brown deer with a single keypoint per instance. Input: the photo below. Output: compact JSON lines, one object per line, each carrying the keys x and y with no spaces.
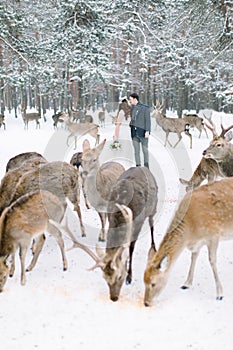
{"x":23,"y":220}
{"x":133,"y":199}
{"x":60,"y":178}
{"x":98,"y":180}
{"x":195,"y":122}
{"x":27,"y":117}
{"x":204,"y":217}
{"x":217,"y":159}
{"x":80,"y":129}
{"x":171,"y":125}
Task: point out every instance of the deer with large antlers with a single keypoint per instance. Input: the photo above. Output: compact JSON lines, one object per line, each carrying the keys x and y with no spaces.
{"x":132,"y":200}
{"x":171,"y":125}
{"x":80,"y":129}
{"x":204,"y":217}
{"x":217,"y":159}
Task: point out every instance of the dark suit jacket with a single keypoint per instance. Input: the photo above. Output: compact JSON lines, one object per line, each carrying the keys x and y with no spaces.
{"x":140,"y":120}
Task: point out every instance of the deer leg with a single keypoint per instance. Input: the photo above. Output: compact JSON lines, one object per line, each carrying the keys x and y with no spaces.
{"x":57,"y":234}
{"x":190,"y":137}
{"x":37,"y":247}
{"x":151,"y":224}
{"x":129,"y":273}
{"x":166,"y":140}
{"x":103,"y":217}
{"x":212,"y":251}
{"x":78,"y":211}
{"x":180,"y":137}
{"x":12,"y":269}
{"x":22,"y":254}
{"x":75,"y":142}
{"x":189,"y":280}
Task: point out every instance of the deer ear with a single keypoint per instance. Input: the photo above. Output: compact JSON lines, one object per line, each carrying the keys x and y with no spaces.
{"x":86,"y":145}
{"x":229,"y":136}
{"x":100,"y":147}
{"x":164,"y":263}
{"x":151,"y":252}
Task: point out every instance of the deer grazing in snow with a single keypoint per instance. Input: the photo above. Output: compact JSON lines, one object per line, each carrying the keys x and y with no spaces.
{"x":217,"y":159}
{"x":204,"y":217}
{"x":133,"y":199}
{"x":23,"y":220}
{"x":97,"y":180}
{"x":171,"y":125}
{"x":80,"y":129}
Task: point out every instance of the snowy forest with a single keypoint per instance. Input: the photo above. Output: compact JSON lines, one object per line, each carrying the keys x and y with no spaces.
{"x":64,"y":54}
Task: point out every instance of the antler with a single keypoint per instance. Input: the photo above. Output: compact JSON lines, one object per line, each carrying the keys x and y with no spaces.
{"x":212,"y":128}
{"x":224,"y":131}
{"x":76,"y":244}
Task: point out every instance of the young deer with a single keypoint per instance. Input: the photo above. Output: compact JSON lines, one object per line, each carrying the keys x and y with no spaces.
{"x":27,"y":117}
{"x":133,"y":199}
{"x":23,"y":220}
{"x":80,"y":129}
{"x":204,"y":217}
{"x":98,"y":181}
{"x":174,"y":125}
{"x":217,"y":159}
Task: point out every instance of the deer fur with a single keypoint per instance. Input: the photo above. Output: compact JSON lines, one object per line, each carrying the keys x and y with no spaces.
{"x":22,"y":158}
{"x":60,"y":178}
{"x":23,"y":220}
{"x":204,"y":217}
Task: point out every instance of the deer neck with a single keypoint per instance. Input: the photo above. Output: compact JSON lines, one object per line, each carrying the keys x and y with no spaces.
{"x":226,"y":165}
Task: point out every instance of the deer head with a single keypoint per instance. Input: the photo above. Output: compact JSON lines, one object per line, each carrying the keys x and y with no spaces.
{"x":114,"y":261}
{"x":220,"y":147}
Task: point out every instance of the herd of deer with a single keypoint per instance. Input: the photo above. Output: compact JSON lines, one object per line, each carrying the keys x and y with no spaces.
{"x":33,"y":202}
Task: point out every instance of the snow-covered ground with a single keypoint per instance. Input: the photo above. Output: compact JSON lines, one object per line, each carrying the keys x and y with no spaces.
{"x":72,"y":310}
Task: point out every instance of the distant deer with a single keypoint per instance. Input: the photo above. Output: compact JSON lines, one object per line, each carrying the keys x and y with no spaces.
{"x":217,"y":159}
{"x":56,"y":119}
{"x":2,"y":121}
{"x":204,"y":217}
{"x":80,"y":129}
{"x":101,"y":117}
{"x":22,"y":221}
{"x":174,"y":125}
{"x":195,"y":122}
{"x":98,"y":180}
{"x":27,"y":117}
{"x":133,"y":199}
